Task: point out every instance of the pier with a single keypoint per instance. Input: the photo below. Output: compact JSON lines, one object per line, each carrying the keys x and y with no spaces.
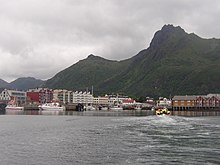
{"x":195,"y":113}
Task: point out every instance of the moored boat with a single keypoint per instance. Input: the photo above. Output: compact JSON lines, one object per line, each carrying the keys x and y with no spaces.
{"x":14,"y":107}
{"x":104,"y":108}
{"x":90,"y":108}
{"x":54,"y":106}
{"x":116,"y":108}
{"x":162,"y":112}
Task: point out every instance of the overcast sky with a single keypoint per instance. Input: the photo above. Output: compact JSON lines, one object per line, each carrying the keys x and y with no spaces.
{"x":39,"y":38}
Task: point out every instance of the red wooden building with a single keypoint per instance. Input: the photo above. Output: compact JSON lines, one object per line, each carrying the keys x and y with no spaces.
{"x":40,"y":95}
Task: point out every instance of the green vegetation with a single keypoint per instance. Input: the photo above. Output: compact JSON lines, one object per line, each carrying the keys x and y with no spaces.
{"x":175,"y":63}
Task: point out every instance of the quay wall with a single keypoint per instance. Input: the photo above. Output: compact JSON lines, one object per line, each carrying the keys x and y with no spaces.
{"x":196,"y":113}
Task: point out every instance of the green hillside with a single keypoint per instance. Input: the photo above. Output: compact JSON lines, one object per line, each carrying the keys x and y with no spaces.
{"x":89,"y":72}
{"x":175,"y":63}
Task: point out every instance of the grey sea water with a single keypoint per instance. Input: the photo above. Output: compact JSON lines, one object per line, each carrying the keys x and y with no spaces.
{"x":56,"y":140}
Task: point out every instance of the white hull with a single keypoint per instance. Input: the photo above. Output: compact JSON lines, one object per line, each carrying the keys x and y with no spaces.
{"x":104,"y":108}
{"x":12,"y":108}
{"x":51,"y":107}
{"x":48,"y":108}
{"x":116,"y":109}
{"x":90,"y":108}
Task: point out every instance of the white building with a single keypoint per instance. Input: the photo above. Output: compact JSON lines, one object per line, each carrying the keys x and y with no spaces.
{"x":19,"y":96}
{"x":164,"y":102}
{"x":76,"y":97}
{"x":116,"y":99}
{"x":101,"y":100}
{"x":4,"y":95}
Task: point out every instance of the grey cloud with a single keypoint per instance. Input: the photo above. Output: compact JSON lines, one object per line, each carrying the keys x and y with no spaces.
{"x":36,"y":35}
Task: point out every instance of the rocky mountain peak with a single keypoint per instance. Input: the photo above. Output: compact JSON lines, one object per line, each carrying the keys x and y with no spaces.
{"x":165,"y":33}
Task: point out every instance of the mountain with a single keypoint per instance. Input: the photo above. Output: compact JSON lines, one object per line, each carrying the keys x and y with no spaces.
{"x":175,"y":63}
{"x":88,"y":72}
{"x":25,"y":83}
{"x":3,"y":83}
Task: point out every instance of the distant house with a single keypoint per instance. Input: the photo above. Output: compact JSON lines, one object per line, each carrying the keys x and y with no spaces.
{"x":128,"y":102}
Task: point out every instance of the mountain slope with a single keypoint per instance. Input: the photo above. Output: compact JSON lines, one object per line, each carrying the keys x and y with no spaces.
{"x":92,"y":71}
{"x":25,"y":83}
{"x":3,"y":83}
{"x":175,"y":63}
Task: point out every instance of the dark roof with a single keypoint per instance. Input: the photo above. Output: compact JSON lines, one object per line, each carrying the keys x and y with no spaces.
{"x":187,"y":97}
{"x":193,"y":97}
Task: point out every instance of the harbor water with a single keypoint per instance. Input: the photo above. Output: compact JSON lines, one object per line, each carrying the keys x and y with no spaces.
{"x":106,"y":139}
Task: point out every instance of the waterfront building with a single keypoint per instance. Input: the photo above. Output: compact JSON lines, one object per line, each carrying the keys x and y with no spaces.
{"x":128,"y":102}
{"x":103,"y":101}
{"x":164,"y":102}
{"x":190,"y":102}
{"x":150,"y":101}
{"x":183,"y":102}
{"x":207,"y":102}
{"x":4,"y":95}
{"x":39,"y":95}
{"x":116,"y":99}
{"x":18,"y":96}
{"x":61,"y":95}
{"x":67,"y":96}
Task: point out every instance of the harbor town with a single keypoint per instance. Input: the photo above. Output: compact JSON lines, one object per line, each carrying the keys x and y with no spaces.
{"x":66,"y":100}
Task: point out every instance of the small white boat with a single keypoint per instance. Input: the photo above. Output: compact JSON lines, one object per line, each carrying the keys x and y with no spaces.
{"x":104,"y":108}
{"x":54,"y":106}
{"x":13,"y":107}
{"x":90,"y":108}
{"x":116,"y":108}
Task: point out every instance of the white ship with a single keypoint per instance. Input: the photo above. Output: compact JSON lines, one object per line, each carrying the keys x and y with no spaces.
{"x":54,"y":106}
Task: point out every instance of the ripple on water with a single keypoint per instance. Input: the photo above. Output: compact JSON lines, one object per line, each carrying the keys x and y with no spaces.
{"x":109,"y":140}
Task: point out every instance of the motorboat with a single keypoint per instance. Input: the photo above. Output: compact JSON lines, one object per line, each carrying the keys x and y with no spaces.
{"x":54,"y":106}
{"x":162,"y":112}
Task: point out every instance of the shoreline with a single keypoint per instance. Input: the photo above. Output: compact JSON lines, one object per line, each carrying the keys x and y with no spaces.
{"x":124,"y":113}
